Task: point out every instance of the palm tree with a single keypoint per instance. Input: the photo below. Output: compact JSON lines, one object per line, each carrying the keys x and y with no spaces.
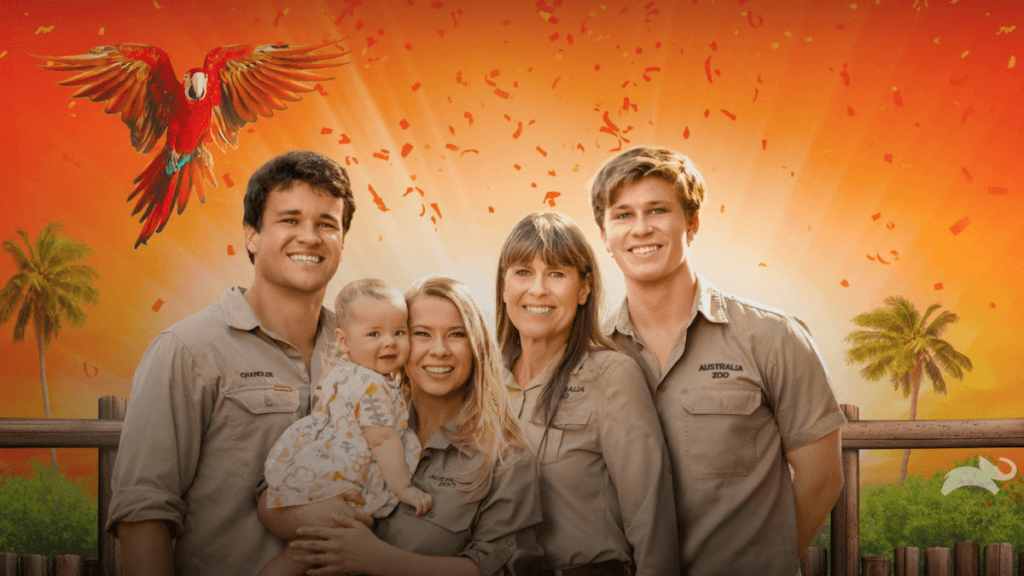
{"x":897,"y":342}
{"x":49,"y":287}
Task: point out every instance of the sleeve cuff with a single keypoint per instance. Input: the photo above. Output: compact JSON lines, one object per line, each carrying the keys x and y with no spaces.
{"x":139,"y":504}
{"x":821,"y":428}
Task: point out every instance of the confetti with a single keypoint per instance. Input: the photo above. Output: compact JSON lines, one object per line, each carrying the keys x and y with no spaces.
{"x":436,"y":209}
{"x":519,"y":131}
{"x":4,"y":53}
{"x":876,"y":216}
{"x":231,"y":250}
{"x":550,"y":198}
{"x":897,"y":98}
{"x":1006,"y":29}
{"x":764,"y":144}
{"x":713,"y":46}
{"x":490,"y":209}
{"x":938,"y":285}
{"x":406,"y":149}
{"x":1013,"y":61}
{"x":844,"y":284}
{"x":964,"y":55}
{"x":102,"y":31}
{"x":967,"y":174}
{"x":377,"y":199}
{"x":728,"y":114}
{"x":887,"y":158}
{"x":845,"y":75}
{"x":326,"y":131}
{"x":879,"y":256}
{"x":870,"y":257}
{"x":553,"y":37}
{"x":44,"y":30}
{"x":686,"y":133}
{"x":750,"y":18}
{"x":580,"y":148}
{"x":468,"y":150}
{"x":227,"y":180}
{"x":424,"y":211}
{"x":416,"y":86}
{"x":501,"y":93}
{"x":319,"y":88}
{"x":157,"y":305}
{"x":280,"y":14}
{"x":451,"y":147}
{"x":959,"y":226}
{"x":542,"y":152}
{"x":85,"y":368}
{"x":344,"y":139}
{"x":517,"y":166}
{"x":756,"y":92}
{"x":382,"y":155}
{"x":890,"y":225}
{"x":707,"y":112}
{"x":626,"y":104}
{"x":404,"y":124}
{"x":707,"y":69}
{"x":849,"y":111}
{"x":648,"y":70}
{"x":895,"y":254}
{"x":408,"y":46}
{"x":958,"y":81}
{"x":967,"y":112}
{"x":762,"y":264}
{"x":555,"y":83}
{"x":996,"y":190}
{"x":992,"y":305}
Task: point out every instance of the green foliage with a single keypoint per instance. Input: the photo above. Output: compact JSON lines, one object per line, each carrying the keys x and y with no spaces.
{"x":47,"y":514}
{"x":917,"y":514}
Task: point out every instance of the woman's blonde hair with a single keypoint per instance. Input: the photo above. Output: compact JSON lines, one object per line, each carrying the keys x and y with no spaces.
{"x":485,"y":422}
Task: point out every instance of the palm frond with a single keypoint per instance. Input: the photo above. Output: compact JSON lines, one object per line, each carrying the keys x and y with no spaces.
{"x":11,"y":295}
{"x":939,"y":325}
{"x":21,"y":260}
{"x":931,"y":369}
{"x":24,"y":315}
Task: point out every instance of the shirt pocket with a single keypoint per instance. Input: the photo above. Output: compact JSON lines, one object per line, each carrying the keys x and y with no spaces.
{"x":720,"y":430}
{"x":255,"y":415}
{"x":568,"y":431}
{"x":451,"y":512}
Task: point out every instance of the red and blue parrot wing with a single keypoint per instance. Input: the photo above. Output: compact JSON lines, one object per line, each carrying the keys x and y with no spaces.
{"x":134,"y":80}
{"x":249,"y":81}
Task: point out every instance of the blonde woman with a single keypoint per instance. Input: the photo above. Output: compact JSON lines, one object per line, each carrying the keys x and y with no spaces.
{"x":475,"y":463}
{"x":586,"y":410}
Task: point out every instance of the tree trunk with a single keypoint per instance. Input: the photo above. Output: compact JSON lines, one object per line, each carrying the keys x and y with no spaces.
{"x":46,"y":392}
{"x":915,"y":388}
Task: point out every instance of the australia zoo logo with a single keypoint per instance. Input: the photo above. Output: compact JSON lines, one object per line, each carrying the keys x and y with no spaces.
{"x":983,"y":476}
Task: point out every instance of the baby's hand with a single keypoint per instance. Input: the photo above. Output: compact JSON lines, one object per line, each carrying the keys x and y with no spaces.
{"x":416,"y":498}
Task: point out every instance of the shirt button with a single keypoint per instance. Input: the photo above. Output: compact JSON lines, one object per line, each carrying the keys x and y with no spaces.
{"x":269,"y":402}
{"x":639,"y":347}
{"x":431,"y":514}
{"x":511,"y":541}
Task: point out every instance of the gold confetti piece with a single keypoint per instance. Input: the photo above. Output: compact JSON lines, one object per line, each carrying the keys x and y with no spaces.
{"x":762,"y":264}
{"x":936,"y":40}
{"x":71,"y":104}
{"x":787,"y":34}
{"x":286,"y":11}
{"x":964,"y":55}
{"x":853,"y":6}
{"x":44,"y":30}
{"x":102,"y":31}
{"x":157,"y":4}
{"x":775,"y":45}
{"x":1006,"y":29}
{"x":808,"y":39}
{"x":1013,"y":61}
{"x":4,"y":53}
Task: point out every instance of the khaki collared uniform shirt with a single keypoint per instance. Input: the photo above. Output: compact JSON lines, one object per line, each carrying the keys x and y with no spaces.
{"x":744,"y":384}
{"x":495,"y":529}
{"x":607,"y":486}
{"x":209,"y":399}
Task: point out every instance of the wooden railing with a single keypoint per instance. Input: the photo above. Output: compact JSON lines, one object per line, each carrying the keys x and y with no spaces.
{"x":857,"y":435}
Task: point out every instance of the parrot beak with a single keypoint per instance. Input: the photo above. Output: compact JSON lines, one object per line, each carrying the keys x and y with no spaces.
{"x":195,"y":86}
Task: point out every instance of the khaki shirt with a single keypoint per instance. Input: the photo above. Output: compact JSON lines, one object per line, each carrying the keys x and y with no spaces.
{"x":495,"y":529}
{"x":744,"y":385}
{"x":607,"y":486}
{"x":209,"y":399}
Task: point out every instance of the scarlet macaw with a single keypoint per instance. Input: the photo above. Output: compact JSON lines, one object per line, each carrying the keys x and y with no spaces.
{"x":211,"y":104}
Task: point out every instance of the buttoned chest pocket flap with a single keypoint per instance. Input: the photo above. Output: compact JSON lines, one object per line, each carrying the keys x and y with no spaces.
{"x":720,"y":430}
{"x":265,"y":399}
{"x":451,"y":511}
{"x":253,"y":418}
{"x":568,"y":431}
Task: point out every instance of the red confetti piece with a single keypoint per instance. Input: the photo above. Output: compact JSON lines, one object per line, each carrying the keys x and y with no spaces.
{"x":451,"y":146}
{"x":707,"y":112}
{"x":960,"y":80}
{"x":408,"y":46}
{"x":849,"y":111}
{"x":555,"y":83}
{"x":501,"y":93}
{"x":713,"y":46}
{"x":517,"y":166}
{"x":416,"y":86}
{"x":728,"y":114}
{"x":870,"y":257}
{"x":551,"y":173}
{"x":85,"y":368}
{"x":876,"y":216}
{"x":468,"y":150}
{"x":759,"y":79}
{"x":542,"y":152}
{"x":568,"y":38}
{"x":436,"y":209}
{"x":844,"y":284}
{"x":553,"y":37}
{"x":424,"y":211}
{"x":580,"y":147}
{"x":992,"y":305}
{"x":407,"y":191}
{"x":648,"y":70}
{"x":326,"y":131}
{"x":380,"y":155}
{"x":519,"y":131}
{"x":707,"y":69}
{"x":228,"y":181}
{"x":686,"y":133}
{"x":887,"y":158}
{"x":764,"y":144}
{"x":750,"y":18}
{"x":377,"y":199}
{"x":967,"y":112}
{"x":879,"y":256}
{"x":490,"y":209}
{"x":495,"y":73}
{"x":845,"y":75}
{"x":359,"y":24}
{"x":320,"y":89}
{"x":277,"y":19}
{"x":895,"y":254}
{"x":626,"y":104}
{"x":756,"y":92}
{"x":897,"y":98}
{"x":890,"y":225}
{"x":344,"y":139}
{"x":406,"y":149}
{"x":959,"y":226}
{"x":157,"y":305}
{"x":550,"y":198}
{"x":451,"y":129}
{"x":490,"y":82}
{"x":437,"y":5}
{"x":938,"y":285}
{"x":597,"y":67}
{"x":997,"y":190}
{"x":404,"y":124}
{"x":370,"y":41}
{"x":231,"y":250}
{"x":967,"y":174}
{"x":440,"y":32}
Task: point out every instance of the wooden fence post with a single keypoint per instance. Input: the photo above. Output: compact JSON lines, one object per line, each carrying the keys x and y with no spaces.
{"x":965,"y":559}
{"x":69,"y":565}
{"x":35,"y":565}
{"x":846,"y":513}
{"x":1020,"y":564}
{"x":110,"y":408}
{"x":814,"y":562}
{"x":8,"y":564}
{"x":907,"y":560}
{"x":874,"y":566}
{"x":936,"y":561}
{"x":999,"y":559}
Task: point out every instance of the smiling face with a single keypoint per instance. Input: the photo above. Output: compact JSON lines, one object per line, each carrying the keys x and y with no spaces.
{"x":441,"y":355}
{"x":541,"y":300}
{"x":647,"y":232}
{"x":299,"y":244}
{"x":375,"y":334}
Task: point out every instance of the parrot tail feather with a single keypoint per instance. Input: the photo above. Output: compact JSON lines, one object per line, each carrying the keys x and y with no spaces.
{"x":165,"y":185}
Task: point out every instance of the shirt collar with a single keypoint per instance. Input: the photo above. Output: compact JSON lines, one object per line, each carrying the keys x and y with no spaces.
{"x":707,"y":301}
{"x":441,"y":439}
{"x":241,"y":316}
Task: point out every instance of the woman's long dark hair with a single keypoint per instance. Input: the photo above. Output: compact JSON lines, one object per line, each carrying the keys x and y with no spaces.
{"x":559,"y":242}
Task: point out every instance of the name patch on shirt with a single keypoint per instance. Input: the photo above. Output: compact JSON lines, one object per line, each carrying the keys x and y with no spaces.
{"x":446,"y":481}
{"x":572,"y":390}
{"x":256,"y":374}
{"x":719,"y":369}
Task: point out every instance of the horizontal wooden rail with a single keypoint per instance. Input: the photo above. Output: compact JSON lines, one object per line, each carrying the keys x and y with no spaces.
{"x":871,"y":434}
{"x":59,"y":433}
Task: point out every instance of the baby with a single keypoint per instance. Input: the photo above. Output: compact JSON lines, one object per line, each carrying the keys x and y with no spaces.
{"x":356,"y":441}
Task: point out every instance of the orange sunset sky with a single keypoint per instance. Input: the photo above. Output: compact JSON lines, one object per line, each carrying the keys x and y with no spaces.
{"x":853,"y":150}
